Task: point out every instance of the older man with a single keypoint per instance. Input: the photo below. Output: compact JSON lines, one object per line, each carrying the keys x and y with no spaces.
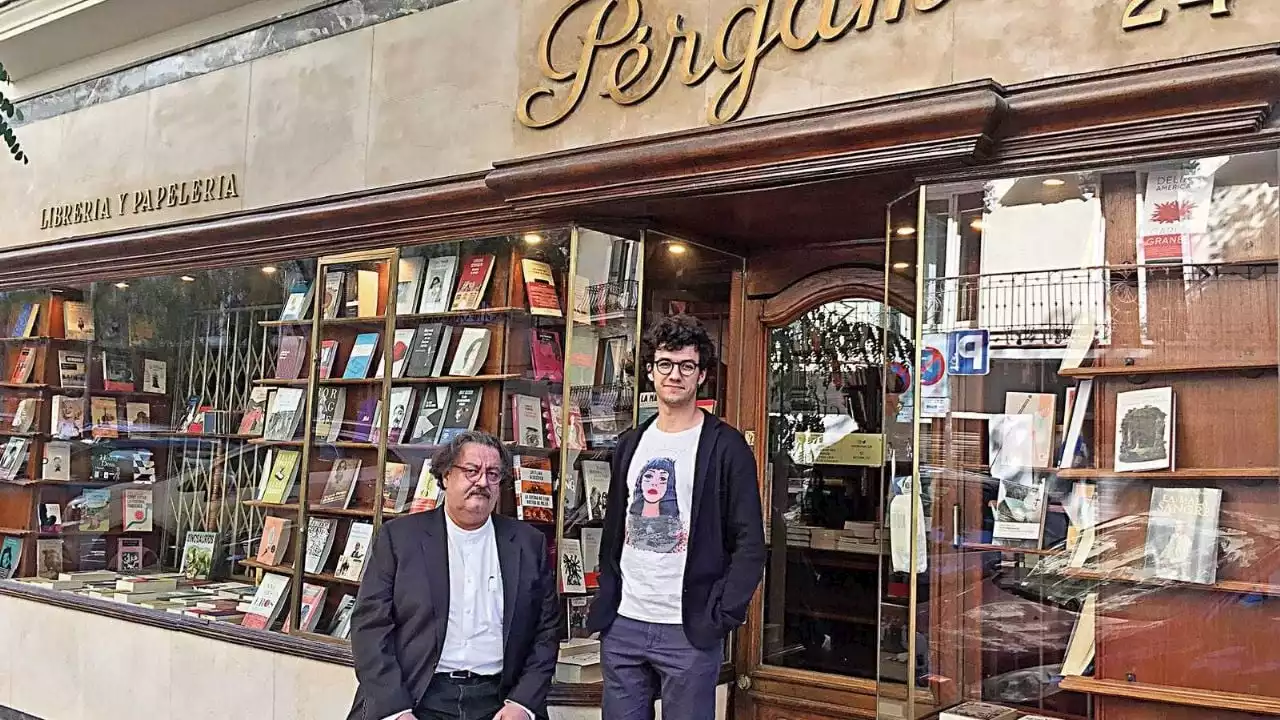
{"x":457,"y":615}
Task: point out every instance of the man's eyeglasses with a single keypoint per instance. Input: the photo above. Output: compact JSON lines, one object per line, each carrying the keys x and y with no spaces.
{"x":473,"y":474}
{"x":687,"y":367}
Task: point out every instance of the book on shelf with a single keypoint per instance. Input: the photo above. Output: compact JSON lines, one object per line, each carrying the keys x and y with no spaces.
{"x":1081,"y":646}
{"x":320,"y":532}
{"x":978,"y":711}
{"x":138,"y":416}
{"x":328,"y":357}
{"x":572,"y":495}
{"x":409,"y":284}
{"x":572,"y":579}
{"x":424,"y":347}
{"x":577,"y":439}
{"x":10,"y":557}
{"x":67,"y":420}
{"x":401,"y":343}
{"x":351,"y":564}
{"x":472,"y":352}
{"x":611,"y":360}
{"x":1082,"y":512}
{"x":274,"y":544}
{"x":1182,"y":534}
{"x":591,"y":538}
{"x":95,"y":510}
{"x":579,"y":669}
{"x":25,"y":324}
{"x":534,"y":495}
{"x":24,"y":417}
{"x":362,"y":428}
{"x":78,"y":320}
{"x":1041,"y":407}
{"x":340,"y":484}
{"x":540,"y":288}
{"x":595,"y":479}
{"x":437,"y":289}
{"x":333,"y":295}
{"x":1145,"y":438}
{"x":401,"y":408}
{"x":1022,"y":494}
{"x":197,"y":554}
{"x":24,"y":366}
{"x":367,"y":286}
{"x":331,"y":408}
{"x":577,"y":610}
{"x":50,"y":517}
{"x":547,"y":355}
{"x":1175,"y":216}
{"x":284,"y":475}
{"x":427,"y":495}
{"x":138,"y":510}
{"x":284,"y":414}
{"x":298,"y":304}
{"x":312,"y":605}
{"x":49,"y":553}
{"x":57,"y":461}
{"x":72,"y":371}
{"x":13,"y":459}
{"x":155,"y":376}
{"x":1073,"y":419}
{"x":340,"y":627}
{"x":395,"y":487}
{"x":361,"y":356}
{"x":267,"y":602}
{"x":254,"y":420}
{"x":462,"y":413}
{"x":291,"y":357}
{"x":264,"y":474}
{"x":526,"y":419}
{"x":473,"y":280}
{"x":142,"y":330}
{"x":582,"y":361}
{"x":431,"y":409}
{"x":117,"y":372}
{"x":105,"y":422}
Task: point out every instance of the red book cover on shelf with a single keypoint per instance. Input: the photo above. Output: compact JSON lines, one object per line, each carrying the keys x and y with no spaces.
{"x":548,"y":361}
{"x":476,"y":271}
{"x":290,"y":357}
{"x":328,"y":355}
{"x":540,"y":287}
{"x":26,"y":363}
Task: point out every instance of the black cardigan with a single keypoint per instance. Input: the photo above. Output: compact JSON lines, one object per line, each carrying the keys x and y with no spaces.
{"x":726,"y":555}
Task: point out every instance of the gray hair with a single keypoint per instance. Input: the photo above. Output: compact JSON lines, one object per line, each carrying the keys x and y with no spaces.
{"x":447,"y":456}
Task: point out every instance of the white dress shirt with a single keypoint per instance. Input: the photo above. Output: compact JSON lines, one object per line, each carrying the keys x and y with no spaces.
{"x":473,"y":638}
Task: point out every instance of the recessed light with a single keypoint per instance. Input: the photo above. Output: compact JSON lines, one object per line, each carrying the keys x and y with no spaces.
{"x":901,"y":265}
{"x":677,"y":249}
{"x":269,"y":269}
{"x":906,"y":231}
{"x":533,"y":238}
{"x":976,"y":224}
{"x":1054,"y":182}
{"x":122,"y":285}
{"x":187,"y":278}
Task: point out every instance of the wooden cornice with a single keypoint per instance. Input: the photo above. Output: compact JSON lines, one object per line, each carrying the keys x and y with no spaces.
{"x":840,"y":283}
{"x":943,"y":127}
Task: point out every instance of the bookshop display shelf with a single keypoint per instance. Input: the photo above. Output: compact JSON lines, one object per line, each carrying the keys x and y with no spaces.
{"x":990,"y":547}
{"x":1241,"y":366}
{"x":1192,"y":697}
{"x":289,"y":570}
{"x":1131,"y":578}
{"x":317,"y":510}
{"x":1240,"y":473}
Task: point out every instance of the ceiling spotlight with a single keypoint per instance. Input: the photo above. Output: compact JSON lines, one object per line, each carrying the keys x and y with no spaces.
{"x":677,"y":249}
{"x":906,"y":231}
{"x":187,"y":278}
{"x":976,"y":224}
{"x":268,"y":269}
{"x":900,"y":265}
{"x":122,"y":285}
{"x":1054,"y":182}
{"x":533,"y":238}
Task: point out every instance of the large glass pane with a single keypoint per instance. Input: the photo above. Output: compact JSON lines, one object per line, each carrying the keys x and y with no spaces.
{"x":1103,"y":470}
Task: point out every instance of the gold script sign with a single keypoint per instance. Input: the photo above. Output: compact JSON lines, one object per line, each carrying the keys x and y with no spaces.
{"x":1147,"y":13}
{"x":179,"y":194}
{"x":640,"y":68}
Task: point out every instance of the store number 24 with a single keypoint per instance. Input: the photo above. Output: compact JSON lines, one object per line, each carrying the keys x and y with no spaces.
{"x":1145,"y":13}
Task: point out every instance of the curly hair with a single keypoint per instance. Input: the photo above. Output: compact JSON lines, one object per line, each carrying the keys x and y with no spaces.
{"x":447,"y":456}
{"x":676,"y":332}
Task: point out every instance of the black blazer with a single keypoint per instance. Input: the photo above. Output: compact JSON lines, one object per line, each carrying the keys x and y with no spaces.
{"x":726,"y":535}
{"x":402,"y":612}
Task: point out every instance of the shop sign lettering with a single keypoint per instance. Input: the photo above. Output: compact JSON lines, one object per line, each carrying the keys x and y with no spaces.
{"x":1148,"y":13}
{"x":645,"y":62}
{"x":138,"y":202}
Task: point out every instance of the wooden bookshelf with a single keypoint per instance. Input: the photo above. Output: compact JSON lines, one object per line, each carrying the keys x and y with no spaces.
{"x":279,"y":382}
{"x":289,"y":570}
{"x":364,"y":513}
{"x":1181,"y":474}
{"x":988,"y":547}
{"x":1191,"y":697}
{"x":1131,"y":578}
{"x":462,"y":314}
{"x":455,"y":379}
{"x":1243,"y":366}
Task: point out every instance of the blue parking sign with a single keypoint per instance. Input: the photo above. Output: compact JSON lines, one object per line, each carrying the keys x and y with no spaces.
{"x":967,"y":352}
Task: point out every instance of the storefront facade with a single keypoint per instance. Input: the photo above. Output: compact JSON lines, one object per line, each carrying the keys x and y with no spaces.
{"x":845,"y":192}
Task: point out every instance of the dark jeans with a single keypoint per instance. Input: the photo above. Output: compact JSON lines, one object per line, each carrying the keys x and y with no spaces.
{"x":471,"y":699}
{"x":643,"y":661}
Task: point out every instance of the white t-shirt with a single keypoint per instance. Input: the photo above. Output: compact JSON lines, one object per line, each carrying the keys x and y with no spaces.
{"x":659,"y":505}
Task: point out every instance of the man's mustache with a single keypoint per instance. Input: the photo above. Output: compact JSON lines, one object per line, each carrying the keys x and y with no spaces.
{"x":479,"y":492}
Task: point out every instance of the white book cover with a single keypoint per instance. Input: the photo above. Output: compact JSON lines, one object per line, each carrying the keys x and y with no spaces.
{"x":437,"y":289}
{"x":572,"y":575}
{"x":1075,"y":423}
{"x":591,"y":538}
{"x":13,"y":457}
{"x":57,"y":461}
{"x":1041,"y":407}
{"x":426,"y":496}
{"x":267,"y":602}
{"x":138,"y":415}
{"x":473,"y":350}
{"x":24,"y":417}
{"x":399,"y":416}
{"x":399,"y":354}
{"x":351,"y":564}
{"x":155,"y":376}
{"x":1182,"y":534}
{"x":595,"y":478}
{"x":1144,"y":430}
{"x":527,"y":420}
{"x":197,"y":554}
{"x":78,"y":320}
{"x":331,"y":408}
{"x":284,"y":412}
{"x":137,"y":510}
{"x":1021,"y":500}
{"x":320,"y":532}
{"x":409,"y":284}
{"x":68,"y":417}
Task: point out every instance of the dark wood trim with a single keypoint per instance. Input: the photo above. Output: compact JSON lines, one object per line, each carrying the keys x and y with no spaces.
{"x":837,"y":284}
{"x":769,"y":273}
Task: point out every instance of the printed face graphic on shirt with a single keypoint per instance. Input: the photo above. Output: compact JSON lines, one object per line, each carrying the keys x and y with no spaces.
{"x":653,"y":519}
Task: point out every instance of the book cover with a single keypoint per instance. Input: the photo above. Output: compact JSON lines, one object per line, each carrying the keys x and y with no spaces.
{"x":595,"y":478}
{"x":72,"y":371}
{"x":362,"y":429}
{"x":155,"y":376}
{"x":328,"y":357}
{"x":284,"y":474}
{"x":267,"y":602}
{"x":427,"y":495}
{"x":340,"y":485}
{"x":1041,"y":407}
{"x":142,"y":330}
{"x":129,"y":554}
{"x":423,"y":347}
{"x":105,"y":422}
{"x":273,"y":546}
{"x":978,"y":711}
{"x":547,"y":355}
{"x":400,"y":415}
{"x":534,"y":501}
{"x":1144,"y":430}
{"x":473,"y":351}
{"x":291,"y":356}
{"x":431,"y":409}
{"x":49,"y":558}
{"x":1175,"y":214}
{"x":437,"y":289}
{"x":78,"y":319}
{"x":333,"y":295}
{"x":331,"y":408}
{"x":312,"y":605}
{"x":340,"y":627}
{"x":464,"y":409}
{"x":1082,"y":644}
{"x":24,"y":366}
{"x":68,"y":417}
{"x":577,"y":610}
{"x":14,"y":458}
{"x":24,"y":417}
{"x":320,"y":533}
{"x":57,"y":461}
{"x":1182,"y":534}
{"x":400,"y":345}
{"x":473,"y":280}
{"x":395,"y":487}
{"x":351,"y":564}
{"x":25,"y":324}
{"x":50,"y":517}
{"x":284,"y":414}
{"x":367,"y":284}
{"x":572,"y":578}
{"x":540,"y":288}
{"x":10,"y":556}
{"x":138,"y":415}
{"x":409,"y":284}
{"x":197,"y":554}
{"x":591,"y":538}
{"x":117,"y":372}
{"x":137,"y":505}
{"x":442,"y":351}
{"x":526,"y":421}
{"x":298,"y":304}
{"x":254,"y":420}
{"x":361,"y":356}
{"x":95,"y":510}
